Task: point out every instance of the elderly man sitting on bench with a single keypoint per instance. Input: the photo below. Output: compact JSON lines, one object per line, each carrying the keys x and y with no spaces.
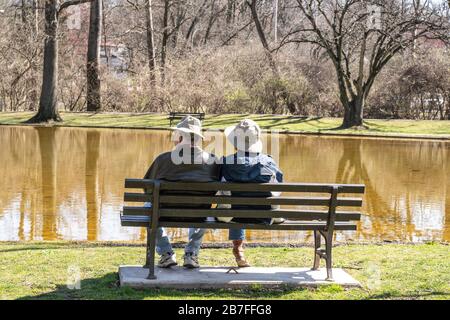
{"x":186,"y":163}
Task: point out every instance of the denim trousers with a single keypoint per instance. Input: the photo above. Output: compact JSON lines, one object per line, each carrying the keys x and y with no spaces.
{"x":236,"y":234}
{"x":163,"y":244}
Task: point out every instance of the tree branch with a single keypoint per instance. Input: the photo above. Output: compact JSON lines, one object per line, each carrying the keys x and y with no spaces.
{"x":70,"y":3}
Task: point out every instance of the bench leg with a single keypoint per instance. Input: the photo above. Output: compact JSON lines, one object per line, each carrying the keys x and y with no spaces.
{"x":147,"y":252}
{"x":151,"y":246}
{"x":329,"y":258}
{"x":317,"y":245}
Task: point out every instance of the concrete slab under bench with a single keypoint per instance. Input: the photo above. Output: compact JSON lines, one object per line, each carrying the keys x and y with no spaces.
{"x":225,"y":277}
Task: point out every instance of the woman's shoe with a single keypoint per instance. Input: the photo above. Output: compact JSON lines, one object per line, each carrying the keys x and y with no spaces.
{"x":238,"y":252}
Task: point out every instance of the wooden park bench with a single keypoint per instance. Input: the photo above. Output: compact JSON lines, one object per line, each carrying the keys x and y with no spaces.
{"x":181,"y":115}
{"x":324,"y":220}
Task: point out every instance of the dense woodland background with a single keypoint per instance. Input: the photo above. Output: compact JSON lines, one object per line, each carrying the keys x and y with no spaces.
{"x":227,"y":56}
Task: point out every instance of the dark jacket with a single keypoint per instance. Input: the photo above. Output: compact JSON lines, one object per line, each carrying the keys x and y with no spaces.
{"x":251,"y":168}
{"x":202,"y":167}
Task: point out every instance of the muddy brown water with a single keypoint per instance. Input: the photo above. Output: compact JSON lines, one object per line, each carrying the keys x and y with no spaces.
{"x":68,"y":183}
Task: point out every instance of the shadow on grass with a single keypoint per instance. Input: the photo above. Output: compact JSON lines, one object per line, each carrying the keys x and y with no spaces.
{"x":275,"y":120}
{"x":107,"y":287}
{"x":292,"y":120}
{"x":31,"y":249}
{"x":223,"y":121}
{"x":412,"y":296}
{"x":81,"y":245}
{"x":365,"y":127}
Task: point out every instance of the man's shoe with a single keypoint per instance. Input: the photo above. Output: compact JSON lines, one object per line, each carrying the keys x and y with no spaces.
{"x":167,"y":260}
{"x":191,"y":261}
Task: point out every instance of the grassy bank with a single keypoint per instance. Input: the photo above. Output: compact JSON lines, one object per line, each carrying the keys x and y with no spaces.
{"x":269,"y":122}
{"x":40,"y":271}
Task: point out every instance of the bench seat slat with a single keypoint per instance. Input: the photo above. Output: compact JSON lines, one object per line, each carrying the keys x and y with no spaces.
{"x":299,"y":201}
{"x":139,"y":184}
{"x":137,"y":211}
{"x":141,"y":221}
{"x":266,"y":187}
{"x":137,"y":197}
{"x":288,"y":214}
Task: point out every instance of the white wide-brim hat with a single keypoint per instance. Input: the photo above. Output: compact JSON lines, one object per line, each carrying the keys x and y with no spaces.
{"x":245,"y":136}
{"x":190,"y":125}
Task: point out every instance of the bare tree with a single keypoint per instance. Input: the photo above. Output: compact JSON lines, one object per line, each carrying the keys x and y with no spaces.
{"x":165,"y":38}
{"x":150,"y":41}
{"x":175,"y":39}
{"x":93,"y":98}
{"x":262,"y":35}
{"x":360,"y":37}
{"x":279,"y":90}
{"x":48,"y":110}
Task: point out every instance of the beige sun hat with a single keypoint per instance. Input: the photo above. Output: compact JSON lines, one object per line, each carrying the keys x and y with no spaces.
{"x":190,"y":125}
{"x":246,"y":136}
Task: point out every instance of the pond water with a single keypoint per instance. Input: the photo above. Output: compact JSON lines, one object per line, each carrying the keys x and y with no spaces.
{"x":68,"y":183}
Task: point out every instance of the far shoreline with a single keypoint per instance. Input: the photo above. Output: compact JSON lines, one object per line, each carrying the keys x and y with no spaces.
{"x":281,"y":124}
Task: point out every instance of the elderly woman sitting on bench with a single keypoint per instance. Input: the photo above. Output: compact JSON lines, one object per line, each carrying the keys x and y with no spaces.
{"x":248,"y":165}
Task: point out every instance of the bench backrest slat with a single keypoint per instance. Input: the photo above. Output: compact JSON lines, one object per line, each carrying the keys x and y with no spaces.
{"x":248,"y":201}
{"x":293,"y":201}
{"x":295,"y":207}
{"x":264,"y":187}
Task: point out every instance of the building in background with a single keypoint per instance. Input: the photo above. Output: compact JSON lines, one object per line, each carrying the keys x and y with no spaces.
{"x":113,"y":56}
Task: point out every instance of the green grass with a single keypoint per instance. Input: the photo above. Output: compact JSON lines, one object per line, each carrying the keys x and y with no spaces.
{"x":40,"y":271}
{"x":269,"y":122}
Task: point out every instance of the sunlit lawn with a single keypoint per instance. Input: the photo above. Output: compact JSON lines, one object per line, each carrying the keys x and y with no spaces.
{"x":269,"y":122}
{"x":41,"y":270}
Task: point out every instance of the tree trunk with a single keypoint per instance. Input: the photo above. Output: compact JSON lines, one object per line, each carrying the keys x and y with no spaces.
{"x":150,"y":42}
{"x":48,"y":101}
{"x":231,"y":11}
{"x":262,"y":37}
{"x":34,"y":94}
{"x":164,"y":40}
{"x":36,"y":16}
{"x":24,"y":12}
{"x":353,"y":113}
{"x":282,"y":91}
{"x":211,"y":22}
{"x":93,"y":57}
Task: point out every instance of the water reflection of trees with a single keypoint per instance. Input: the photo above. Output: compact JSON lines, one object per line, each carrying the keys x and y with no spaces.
{"x":352,"y":169}
{"x":91,"y":182}
{"x":68,"y":183}
{"x":48,"y":172}
{"x":395,"y":176}
{"x":400,"y":176}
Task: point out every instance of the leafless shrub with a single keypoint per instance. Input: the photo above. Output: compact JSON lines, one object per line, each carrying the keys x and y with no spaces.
{"x":416,"y":88}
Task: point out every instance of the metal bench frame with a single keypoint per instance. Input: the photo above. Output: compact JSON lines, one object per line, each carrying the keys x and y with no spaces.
{"x":323,"y":222}
{"x":180,"y":115}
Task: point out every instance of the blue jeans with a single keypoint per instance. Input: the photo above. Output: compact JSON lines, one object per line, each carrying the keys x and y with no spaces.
{"x":163,"y":244}
{"x":236,"y":234}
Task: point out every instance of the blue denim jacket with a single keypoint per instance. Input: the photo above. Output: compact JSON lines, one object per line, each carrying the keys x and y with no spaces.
{"x":251,"y":168}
